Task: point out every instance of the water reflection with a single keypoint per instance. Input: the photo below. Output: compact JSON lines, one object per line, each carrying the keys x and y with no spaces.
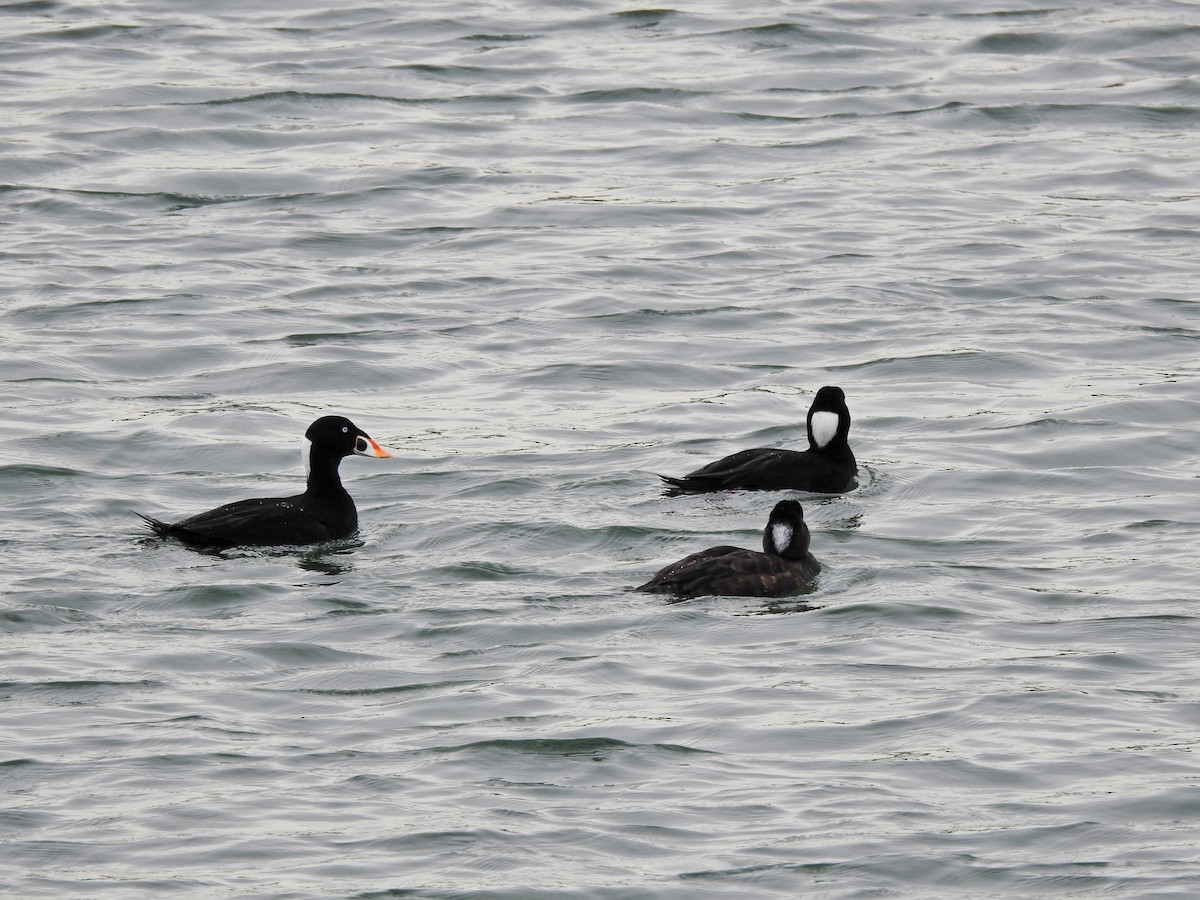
{"x":330,"y":559}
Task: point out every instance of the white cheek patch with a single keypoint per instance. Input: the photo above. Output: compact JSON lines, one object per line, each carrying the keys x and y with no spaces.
{"x":824,"y":427}
{"x":306,"y":452}
{"x":781,"y":534}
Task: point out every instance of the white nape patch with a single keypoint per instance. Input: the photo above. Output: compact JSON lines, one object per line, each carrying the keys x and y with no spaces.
{"x":781,"y":534}
{"x":824,"y":426}
{"x":306,"y":452}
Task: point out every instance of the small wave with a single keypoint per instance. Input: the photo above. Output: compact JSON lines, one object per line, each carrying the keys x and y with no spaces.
{"x":1020,"y":43}
{"x":42,"y":618}
{"x":592,"y":747}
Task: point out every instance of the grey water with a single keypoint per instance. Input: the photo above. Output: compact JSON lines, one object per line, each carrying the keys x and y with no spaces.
{"x":542,"y":252}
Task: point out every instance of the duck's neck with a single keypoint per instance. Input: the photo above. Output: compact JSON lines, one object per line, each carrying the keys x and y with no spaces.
{"x":784,"y":539}
{"x":825,"y":432}
{"x":323,"y":475}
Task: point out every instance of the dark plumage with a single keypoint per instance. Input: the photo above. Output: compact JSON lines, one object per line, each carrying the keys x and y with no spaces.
{"x":324,"y":512}
{"x":783,"y":568}
{"x":827,"y":465}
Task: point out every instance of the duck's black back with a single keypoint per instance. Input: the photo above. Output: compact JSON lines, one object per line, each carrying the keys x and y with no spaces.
{"x":266,"y":521}
{"x":772,"y":469}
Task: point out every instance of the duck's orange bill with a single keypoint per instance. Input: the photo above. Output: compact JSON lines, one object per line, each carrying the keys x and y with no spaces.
{"x":371,"y":448}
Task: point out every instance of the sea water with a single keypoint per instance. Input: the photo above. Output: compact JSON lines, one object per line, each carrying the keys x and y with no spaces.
{"x":544,"y":252}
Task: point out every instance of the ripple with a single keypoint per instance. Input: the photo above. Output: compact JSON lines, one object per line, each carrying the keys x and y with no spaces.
{"x":43,"y":618}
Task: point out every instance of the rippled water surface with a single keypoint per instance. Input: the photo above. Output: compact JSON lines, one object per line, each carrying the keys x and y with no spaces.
{"x":543,"y":251}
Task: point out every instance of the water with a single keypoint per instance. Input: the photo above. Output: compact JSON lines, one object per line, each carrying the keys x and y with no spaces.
{"x":542,"y":252}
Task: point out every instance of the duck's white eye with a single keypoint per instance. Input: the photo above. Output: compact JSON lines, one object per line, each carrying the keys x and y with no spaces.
{"x":344,"y":429}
